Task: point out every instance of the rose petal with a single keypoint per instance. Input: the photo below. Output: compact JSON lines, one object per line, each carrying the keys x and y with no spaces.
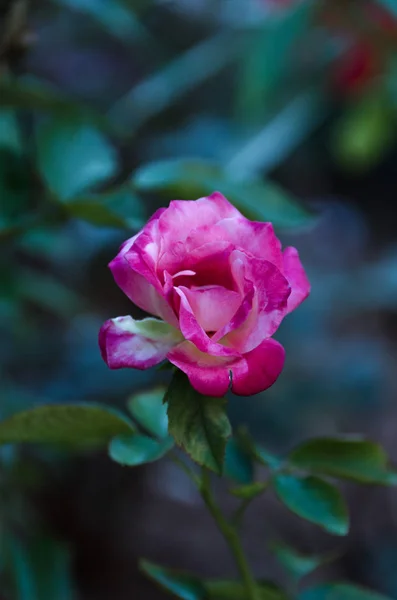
{"x":203,"y":212}
{"x":253,"y":237}
{"x":212,"y":305}
{"x":209,"y":375}
{"x":185,"y":225}
{"x":125,"y":342}
{"x":259,"y":368}
{"x":249,"y":374}
{"x":193,"y":331}
{"x":264,"y":306}
{"x":134,"y":270}
{"x":294,"y":272}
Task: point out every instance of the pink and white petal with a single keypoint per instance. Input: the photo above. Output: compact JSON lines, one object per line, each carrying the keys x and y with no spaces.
{"x":295,"y":273}
{"x":212,"y":305}
{"x":272,"y":291}
{"x":140,"y":291}
{"x":225,"y":209}
{"x":235,"y":331}
{"x":258,"y":369}
{"x":255,"y":238}
{"x":266,"y":294}
{"x":125,"y":342}
{"x":193,"y":332}
{"x":211,"y":263}
{"x":209,"y":375}
{"x":184,"y":215}
{"x":187,"y":224}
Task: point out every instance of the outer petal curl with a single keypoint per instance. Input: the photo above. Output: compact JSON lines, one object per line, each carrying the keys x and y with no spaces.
{"x":134,"y":270}
{"x":213,"y":375}
{"x":295,"y":273}
{"x":125,"y":342}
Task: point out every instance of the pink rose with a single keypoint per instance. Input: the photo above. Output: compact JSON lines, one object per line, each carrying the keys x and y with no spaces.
{"x":221,"y":286}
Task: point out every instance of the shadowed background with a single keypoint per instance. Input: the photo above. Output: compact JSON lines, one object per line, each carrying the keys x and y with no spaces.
{"x":108,"y":110}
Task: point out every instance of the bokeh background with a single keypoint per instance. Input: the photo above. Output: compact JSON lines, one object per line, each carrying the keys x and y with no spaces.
{"x":111,"y":108}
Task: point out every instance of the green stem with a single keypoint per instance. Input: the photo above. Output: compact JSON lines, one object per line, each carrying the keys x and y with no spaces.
{"x":230,"y":534}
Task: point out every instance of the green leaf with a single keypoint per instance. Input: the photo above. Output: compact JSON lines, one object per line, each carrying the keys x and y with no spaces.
{"x":356,"y":459}
{"x":133,"y":450}
{"x":257,"y":452}
{"x":51,"y":567}
{"x":119,"y":208}
{"x":250,"y":490}
{"x":76,"y":424}
{"x":37,"y":95}
{"x":37,"y":569}
{"x":73,"y":156}
{"x":364,"y":133}
{"x":234,"y":590}
{"x":180,"y":584}
{"x":199,"y":424}
{"x":177,"y":177}
{"x":238,"y":464}
{"x":340,"y":591}
{"x":149,"y":410}
{"x":297,"y":564}
{"x":315,"y":500}
{"x":47,"y":292}
{"x":190,"y":179}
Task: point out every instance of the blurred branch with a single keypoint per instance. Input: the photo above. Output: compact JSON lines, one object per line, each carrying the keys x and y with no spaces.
{"x":180,"y":76}
{"x":280,"y":136}
{"x":114,"y":17}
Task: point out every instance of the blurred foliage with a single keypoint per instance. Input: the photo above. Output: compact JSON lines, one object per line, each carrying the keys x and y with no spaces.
{"x":110,"y":108}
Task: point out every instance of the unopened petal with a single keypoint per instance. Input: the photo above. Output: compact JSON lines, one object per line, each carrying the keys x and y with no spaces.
{"x":125,"y":342}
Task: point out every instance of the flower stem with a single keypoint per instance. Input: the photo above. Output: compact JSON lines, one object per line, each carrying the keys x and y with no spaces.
{"x":230,"y":534}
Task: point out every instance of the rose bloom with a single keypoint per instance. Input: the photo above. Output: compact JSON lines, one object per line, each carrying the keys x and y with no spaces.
{"x":220,"y":285}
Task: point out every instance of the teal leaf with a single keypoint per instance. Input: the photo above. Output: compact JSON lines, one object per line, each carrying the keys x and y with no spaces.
{"x":297,"y":564}
{"x":256,"y":451}
{"x":390,"y":5}
{"x":191,"y":179}
{"x":21,"y":570}
{"x":184,"y":178}
{"x":114,"y":17}
{"x":199,"y":424}
{"x":149,"y":410}
{"x":73,"y":156}
{"x":340,"y":591}
{"x":356,"y":459}
{"x":9,"y":134}
{"x":238,"y":463}
{"x":234,"y":590}
{"x":37,"y":568}
{"x":269,"y":58}
{"x":315,"y":500}
{"x":71,"y":424}
{"x":50,"y":562}
{"x":133,"y":450}
{"x":119,"y":208}
{"x":250,"y":490}
{"x":179,"y":584}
